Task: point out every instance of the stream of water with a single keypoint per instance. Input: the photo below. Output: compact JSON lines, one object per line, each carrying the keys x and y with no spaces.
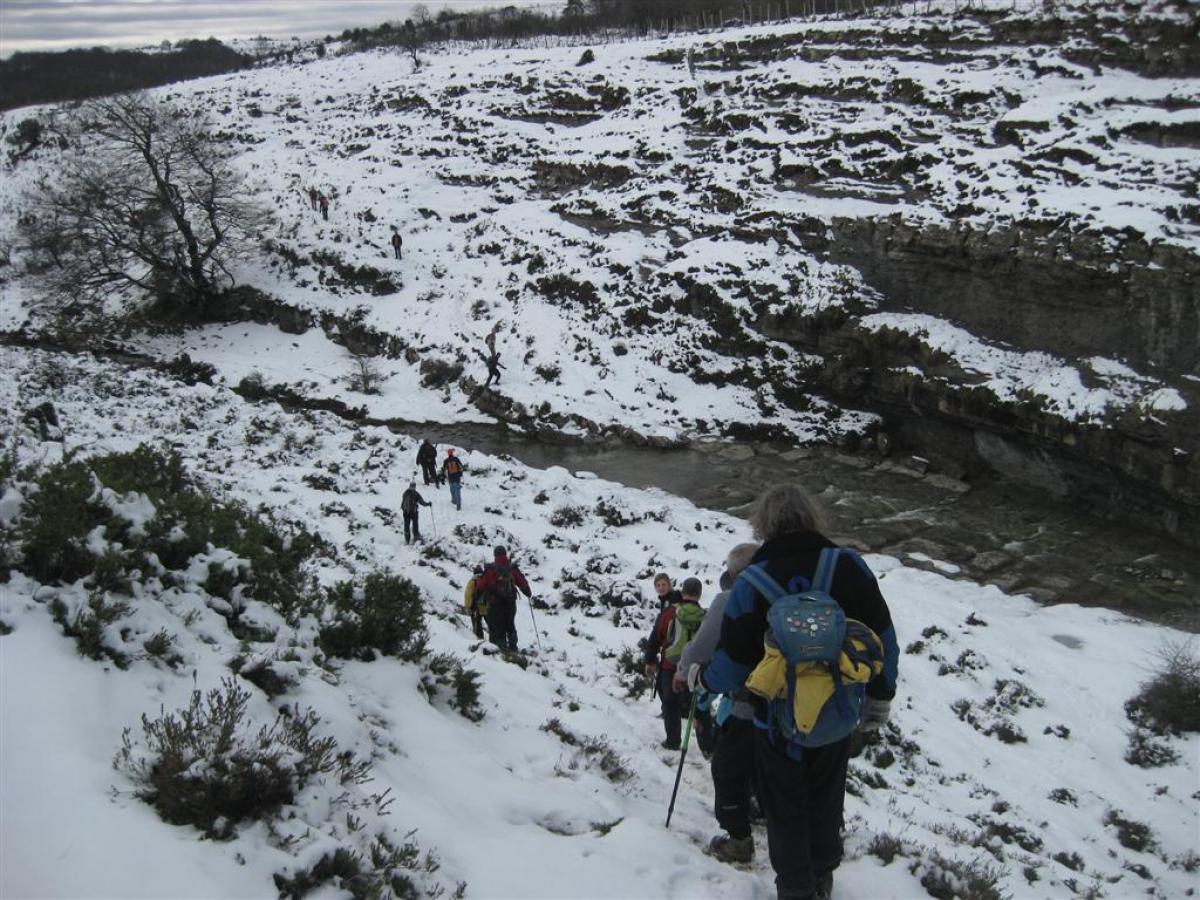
{"x":989,"y":531}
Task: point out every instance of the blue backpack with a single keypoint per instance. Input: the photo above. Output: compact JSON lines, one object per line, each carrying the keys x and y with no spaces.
{"x":816,"y":662}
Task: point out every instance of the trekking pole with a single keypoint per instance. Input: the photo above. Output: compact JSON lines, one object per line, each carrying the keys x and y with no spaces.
{"x":433,"y":521}
{"x":535,"y":631}
{"x":687,"y":734}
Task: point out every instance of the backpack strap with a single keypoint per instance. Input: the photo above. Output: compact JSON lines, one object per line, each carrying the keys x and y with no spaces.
{"x":758,"y":578}
{"x":826,"y":567}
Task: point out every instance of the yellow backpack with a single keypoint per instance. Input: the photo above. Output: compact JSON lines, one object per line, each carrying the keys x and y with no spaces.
{"x":816,"y":661}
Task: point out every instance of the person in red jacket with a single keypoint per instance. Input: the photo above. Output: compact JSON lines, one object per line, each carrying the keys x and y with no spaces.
{"x":498,"y":587}
{"x":662,"y":651}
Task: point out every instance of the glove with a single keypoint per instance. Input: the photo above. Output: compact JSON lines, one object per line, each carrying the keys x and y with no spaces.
{"x":875,"y":714}
{"x":650,"y":669}
{"x":693,"y":676}
{"x":679,"y":682}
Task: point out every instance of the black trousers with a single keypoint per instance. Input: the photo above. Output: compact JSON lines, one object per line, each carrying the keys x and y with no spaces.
{"x":411,"y":524}
{"x":502,"y":624}
{"x":675,"y":706}
{"x":477,"y":623}
{"x":732,"y":774}
{"x":429,"y":473}
{"x":803,"y":801}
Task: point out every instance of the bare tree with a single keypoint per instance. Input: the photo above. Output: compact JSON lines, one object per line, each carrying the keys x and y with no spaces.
{"x":365,"y":375}
{"x":146,"y":199}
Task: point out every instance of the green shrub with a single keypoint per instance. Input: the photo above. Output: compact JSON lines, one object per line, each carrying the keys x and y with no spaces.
{"x":112,"y":571}
{"x":952,"y":879}
{"x":447,"y":670}
{"x":1131,"y":834}
{"x":568,"y":517}
{"x":245,"y":774}
{"x":631,"y":672}
{"x":61,"y":512}
{"x":55,"y":522}
{"x":384,"y":615}
{"x":263,"y":676}
{"x":1148,"y":752}
{"x":388,"y":873}
{"x":86,"y":626}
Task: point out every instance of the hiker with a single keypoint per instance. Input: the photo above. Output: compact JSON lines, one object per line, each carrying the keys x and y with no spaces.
{"x":475,"y":603}
{"x":674,"y":627}
{"x":397,"y":244}
{"x":499,"y":585}
{"x":666,"y":594}
{"x":427,"y":460}
{"x":492,"y":361}
{"x":312,"y":198}
{"x":733,"y":740}
{"x":323,"y":201}
{"x":410,"y":507}
{"x":490,"y":339}
{"x":452,"y":472}
{"x":802,"y":774}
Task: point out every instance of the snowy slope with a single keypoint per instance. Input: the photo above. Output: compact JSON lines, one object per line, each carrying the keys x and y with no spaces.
{"x":625,"y":222}
{"x":508,"y":807}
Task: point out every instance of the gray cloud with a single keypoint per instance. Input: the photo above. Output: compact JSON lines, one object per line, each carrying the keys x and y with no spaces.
{"x":57,"y":24}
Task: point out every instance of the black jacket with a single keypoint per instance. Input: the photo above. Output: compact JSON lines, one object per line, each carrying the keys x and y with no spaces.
{"x":411,"y":501}
{"x":426,"y":455}
{"x":786,"y":557}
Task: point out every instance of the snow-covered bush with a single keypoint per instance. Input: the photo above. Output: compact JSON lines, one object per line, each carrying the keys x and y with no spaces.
{"x":1169,"y":703}
{"x":445,"y":670}
{"x":206,"y":765}
{"x":952,"y":879}
{"x":384,"y":615}
{"x":387,"y":873}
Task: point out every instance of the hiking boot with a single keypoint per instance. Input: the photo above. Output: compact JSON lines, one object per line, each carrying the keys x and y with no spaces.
{"x":824,"y":890}
{"x":730,"y":849}
{"x":670,"y":745}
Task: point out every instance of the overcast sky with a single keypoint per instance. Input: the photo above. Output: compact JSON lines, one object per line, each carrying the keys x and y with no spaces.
{"x":58,"y":24}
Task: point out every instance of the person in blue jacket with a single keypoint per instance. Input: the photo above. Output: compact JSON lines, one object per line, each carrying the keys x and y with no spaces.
{"x":802,"y":797}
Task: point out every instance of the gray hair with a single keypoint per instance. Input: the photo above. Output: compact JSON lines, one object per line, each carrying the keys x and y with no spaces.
{"x":784,"y":508}
{"x":739,"y":557}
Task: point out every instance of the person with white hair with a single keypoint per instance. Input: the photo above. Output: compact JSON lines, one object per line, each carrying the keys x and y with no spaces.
{"x":802,"y":788}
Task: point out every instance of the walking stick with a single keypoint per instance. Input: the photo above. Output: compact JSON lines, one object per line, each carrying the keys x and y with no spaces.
{"x":687,"y":734}
{"x":433,"y":521}
{"x":534,"y":618}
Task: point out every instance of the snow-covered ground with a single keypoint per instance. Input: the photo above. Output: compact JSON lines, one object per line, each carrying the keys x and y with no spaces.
{"x":624,"y":222}
{"x":506,"y":806}
{"x":597,"y":214}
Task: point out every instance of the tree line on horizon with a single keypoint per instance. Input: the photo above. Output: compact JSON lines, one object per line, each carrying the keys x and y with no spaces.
{"x":54,"y":77}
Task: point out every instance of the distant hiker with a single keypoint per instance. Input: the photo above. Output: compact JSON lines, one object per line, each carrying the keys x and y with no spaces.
{"x":397,"y":244}
{"x":803,"y":716}
{"x":733,"y":747}
{"x":475,"y":603}
{"x":452,"y":472}
{"x":490,"y":340}
{"x":675,"y":626}
{"x":410,"y":507}
{"x":492,"y":361}
{"x":312,"y":197}
{"x":666,"y":594}
{"x":323,"y":202}
{"x":427,"y":460}
{"x":499,"y":585}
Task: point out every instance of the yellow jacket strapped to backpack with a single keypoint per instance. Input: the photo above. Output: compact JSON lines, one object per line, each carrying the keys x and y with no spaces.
{"x":814,"y":683}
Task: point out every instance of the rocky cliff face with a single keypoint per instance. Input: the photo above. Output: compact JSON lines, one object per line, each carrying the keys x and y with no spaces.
{"x":1038,"y":287}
